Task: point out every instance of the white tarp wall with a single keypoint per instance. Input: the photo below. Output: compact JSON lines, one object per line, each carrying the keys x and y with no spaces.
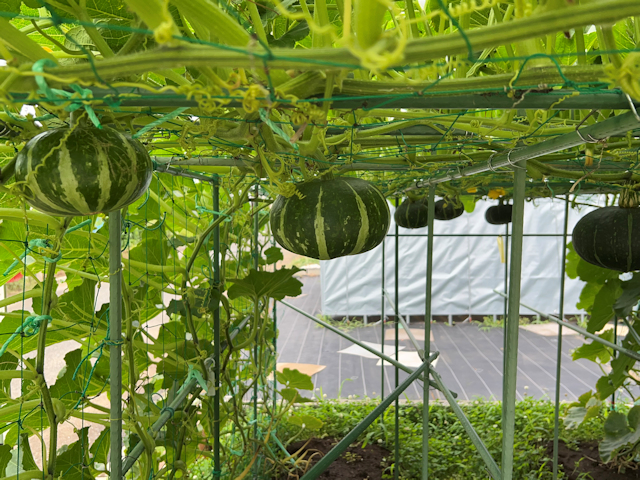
{"x":466,"y":269}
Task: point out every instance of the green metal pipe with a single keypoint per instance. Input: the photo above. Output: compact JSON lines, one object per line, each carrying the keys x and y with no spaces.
{"x":382,"y":318}
{"x":396,"y":279}
{"x":405,"y":327}
{"x":427,"y":332}
{"x":599,"y":131}
{"x":581,"y":331}
{"x":115,"y":339}
{"x":512,"y":325}
{"x":342,"y":445}
{"x":216,"y":333}
{"x":256,"y":349}
{"x":556,"y":413}
{"x":346,"y":336}
{"x":138,"y":450}
{"x":494,"y":470}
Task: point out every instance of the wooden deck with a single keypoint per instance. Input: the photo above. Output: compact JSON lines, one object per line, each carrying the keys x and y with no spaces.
{"x":470,"y":360}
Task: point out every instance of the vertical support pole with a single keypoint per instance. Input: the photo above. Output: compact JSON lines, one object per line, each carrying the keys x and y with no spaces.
{"x":216,"y":333}
{"x":256,"y":352}
{"x":397,"y":372}
{"x":556,"y":414}
{"x":512,"y":325}
{"x":382,"y":323}
{"x":615,"y":355}
{"x":115,"y":338}
{"x":506,"y":270}
{"x":427,"y":333}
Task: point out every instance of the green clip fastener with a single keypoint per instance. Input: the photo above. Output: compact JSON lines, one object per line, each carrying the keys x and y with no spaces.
{"x":52,"y":93}
{"x":160,"y":121}
{"x":29,"y":328}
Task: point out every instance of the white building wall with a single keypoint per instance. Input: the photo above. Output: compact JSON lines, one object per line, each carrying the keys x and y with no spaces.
{"x":466,"y":269}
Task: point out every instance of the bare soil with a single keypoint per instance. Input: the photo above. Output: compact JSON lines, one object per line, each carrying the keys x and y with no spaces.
{"x":356,"y":463}
{"x":585,"y":463}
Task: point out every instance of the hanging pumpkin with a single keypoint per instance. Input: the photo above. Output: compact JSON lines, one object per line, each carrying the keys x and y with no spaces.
{"x":609,"y":237}
{"x":448,"y":208}
{"x":412,"y":213}
{"x":499,"y":214}
{"x":332,"y":217}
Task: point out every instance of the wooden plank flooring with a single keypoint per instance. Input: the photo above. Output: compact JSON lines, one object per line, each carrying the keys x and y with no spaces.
{"x":470,"y":360}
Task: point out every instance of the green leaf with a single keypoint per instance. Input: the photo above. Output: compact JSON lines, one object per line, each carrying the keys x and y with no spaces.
{"x":595,"y":351}
{"x":292,"y":395}
{"x":289,"y":39}
{"x":100,"y":449}
{"x":21,"y":457}
{"x":79,"y":303}
{"x":588,"y":296}
{"x":575,"y":416}
{"x":70,"y":464}
{"x":306,"y":421}
{"x":578,"y":268}
{"x":278,"y":284}
{"x":469,"y":203}
{"x":602,"y":311}
{"x":153,"y":249}
{"x":294,"y":379}
{"x":5,"y":458}
{"x":10,"y":6}
{"x":629,"y":298}
{"x":617,"y":434}
{"x":273,"y":255}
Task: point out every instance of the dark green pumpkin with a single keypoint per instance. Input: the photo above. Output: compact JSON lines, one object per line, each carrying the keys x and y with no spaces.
{"x":336,"y":217}
{"x":448,"y":209}
{"x":610,"y":238}
{"x":412,"y":213}
{"x":499,"y":214}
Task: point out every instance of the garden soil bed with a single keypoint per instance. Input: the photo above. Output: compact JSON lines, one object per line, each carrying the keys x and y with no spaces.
{"x":586,"y":460}
{"x":356,"y":463}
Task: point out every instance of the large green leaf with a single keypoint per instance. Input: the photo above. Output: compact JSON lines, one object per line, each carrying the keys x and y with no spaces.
{"x":21,"y":457}
{"x":602,"y":311}
{"x":578,"y":268}
{"x":630,"y":296}
{"x":306,"y":421}
{"x":5,"y":458}
{"x":619,"y":431}
{"x":294,"y":379}
{"x":278,"y":284}
{"x":595,"y":351}
{"x":71,"y":458}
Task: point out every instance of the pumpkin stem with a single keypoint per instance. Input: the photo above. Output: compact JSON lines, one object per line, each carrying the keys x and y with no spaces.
{"x":628,"y":198}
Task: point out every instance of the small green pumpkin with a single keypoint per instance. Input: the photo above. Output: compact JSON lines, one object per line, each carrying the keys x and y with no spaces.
{"x":412,"y":213}
{"x":448,"y":208}
{"x":499,"y":214}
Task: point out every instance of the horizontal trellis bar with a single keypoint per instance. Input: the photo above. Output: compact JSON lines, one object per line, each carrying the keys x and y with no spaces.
{"x":526,"y":99}
{"x":346,"y":336}
{"x":581,"y":331}
{"x":342,"y":445}
{"x":591,"y":134}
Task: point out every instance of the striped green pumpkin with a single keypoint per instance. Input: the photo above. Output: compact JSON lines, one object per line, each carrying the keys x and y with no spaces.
{"x":336,"y":217}
{"x":412,"y":213}
{"x":82,"y":171}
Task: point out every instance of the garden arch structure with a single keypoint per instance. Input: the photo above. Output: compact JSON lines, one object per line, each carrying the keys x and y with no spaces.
{"x":280,"y":114}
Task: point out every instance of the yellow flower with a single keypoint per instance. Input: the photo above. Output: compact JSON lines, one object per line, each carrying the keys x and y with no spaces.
{"x":472,"y":190}
{"x":495,"y":193}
